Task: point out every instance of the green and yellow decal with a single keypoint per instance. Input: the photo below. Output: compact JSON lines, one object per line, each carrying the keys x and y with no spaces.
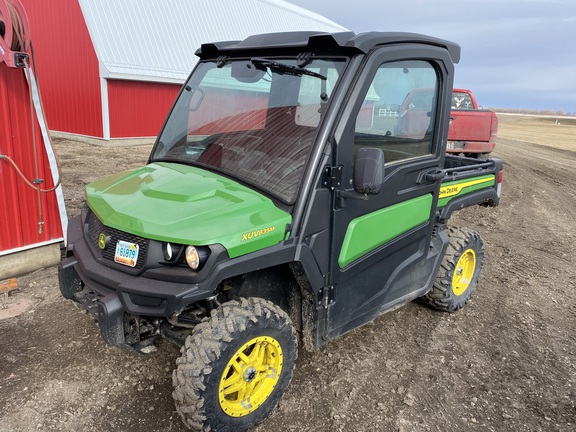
{"x":102,"y":240}
{"x":462,"y":187}
{"x":257,"y":233}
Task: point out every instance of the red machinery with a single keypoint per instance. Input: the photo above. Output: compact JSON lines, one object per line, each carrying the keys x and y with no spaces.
{"x":32,"y":211}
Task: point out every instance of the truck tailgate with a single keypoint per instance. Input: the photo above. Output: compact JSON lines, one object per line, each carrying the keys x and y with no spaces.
{"x":470,"y":125}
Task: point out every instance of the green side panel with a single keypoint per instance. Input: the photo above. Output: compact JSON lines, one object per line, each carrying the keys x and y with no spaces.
{"x":188,"y":205}
{"x":450,"y":190}
{"x":370,"y":231}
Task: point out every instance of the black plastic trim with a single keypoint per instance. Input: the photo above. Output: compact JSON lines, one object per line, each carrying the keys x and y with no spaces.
{"x":164,"y":291}
{"x":361,"y":43}
{"x":489,"y":196}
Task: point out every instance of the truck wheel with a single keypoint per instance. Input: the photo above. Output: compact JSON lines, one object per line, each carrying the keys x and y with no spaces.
{"x":235,"y":366}
{"x":459,"y":271}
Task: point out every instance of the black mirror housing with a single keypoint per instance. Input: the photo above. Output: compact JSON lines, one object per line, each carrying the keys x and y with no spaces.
{"x":368,"y":170}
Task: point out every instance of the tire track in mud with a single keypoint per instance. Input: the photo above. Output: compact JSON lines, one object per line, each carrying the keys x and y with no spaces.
{"x":548,"y":173}
{"x":358,"y":382}
{"x":519,"y":371}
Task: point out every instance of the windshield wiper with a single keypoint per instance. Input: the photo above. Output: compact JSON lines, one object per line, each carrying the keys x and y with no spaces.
{"x":286,"y":68}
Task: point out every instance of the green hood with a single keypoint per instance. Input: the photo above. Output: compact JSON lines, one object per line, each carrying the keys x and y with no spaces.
{"x":187,"y":205}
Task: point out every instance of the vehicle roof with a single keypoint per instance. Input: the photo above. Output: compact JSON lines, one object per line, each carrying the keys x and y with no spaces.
{"x":362,"y":42}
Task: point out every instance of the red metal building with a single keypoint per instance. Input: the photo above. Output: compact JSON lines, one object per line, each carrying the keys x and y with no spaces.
{"x":111,"y":70}
{"x":32,"y":212}
{"x":77,"y":98}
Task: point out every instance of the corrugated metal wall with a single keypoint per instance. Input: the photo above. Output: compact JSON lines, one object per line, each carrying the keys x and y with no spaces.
{"x":138,"y":109}
{"x":67,"y":66}
{"x":19,"y":212}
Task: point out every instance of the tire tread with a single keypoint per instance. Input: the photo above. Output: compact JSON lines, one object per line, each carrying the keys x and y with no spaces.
{"x":440,"y":297}
{"x":205,"y":346}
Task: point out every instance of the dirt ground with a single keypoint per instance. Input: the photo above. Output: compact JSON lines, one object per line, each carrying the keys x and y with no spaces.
{"x":506,"y":362}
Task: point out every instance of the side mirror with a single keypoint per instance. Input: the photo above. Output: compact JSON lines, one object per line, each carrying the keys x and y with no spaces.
{"x":368,"y":170}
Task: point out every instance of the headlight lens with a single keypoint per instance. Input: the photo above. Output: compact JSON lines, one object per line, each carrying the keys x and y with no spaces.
{"x":168,"y":252}
{"x":192,"y":257}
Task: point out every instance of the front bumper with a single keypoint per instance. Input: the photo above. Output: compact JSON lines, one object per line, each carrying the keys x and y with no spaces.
{"x":118,"y":297}
{"x":112,"y":295}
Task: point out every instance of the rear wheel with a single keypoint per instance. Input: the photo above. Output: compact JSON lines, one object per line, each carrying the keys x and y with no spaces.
{"x":459,"y":272}
{"x":235,"y":366}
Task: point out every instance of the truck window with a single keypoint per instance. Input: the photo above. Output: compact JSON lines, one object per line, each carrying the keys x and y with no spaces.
{"x":398,"y":111}
{"x":461,"y":101}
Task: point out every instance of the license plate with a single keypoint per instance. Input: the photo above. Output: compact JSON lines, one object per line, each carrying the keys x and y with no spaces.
{"x":450,"y":145}
{"x":126,"y":253}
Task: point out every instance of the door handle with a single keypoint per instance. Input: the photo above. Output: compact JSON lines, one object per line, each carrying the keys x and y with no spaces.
{"x":431,"y":176}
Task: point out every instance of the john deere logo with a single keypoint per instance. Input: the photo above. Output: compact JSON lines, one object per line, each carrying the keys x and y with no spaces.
{"x":102,"y":241}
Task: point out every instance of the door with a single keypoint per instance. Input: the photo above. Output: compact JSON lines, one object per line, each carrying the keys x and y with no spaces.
{"x":380,"y":254}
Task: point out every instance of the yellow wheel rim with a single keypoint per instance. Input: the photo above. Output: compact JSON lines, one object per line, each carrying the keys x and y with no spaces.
{"x":463,"y":272}
{"x":250,"y":376}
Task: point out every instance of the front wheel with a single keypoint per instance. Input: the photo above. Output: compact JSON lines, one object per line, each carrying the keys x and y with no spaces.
{"x":235,"y":366}
{"x":459,"y":272}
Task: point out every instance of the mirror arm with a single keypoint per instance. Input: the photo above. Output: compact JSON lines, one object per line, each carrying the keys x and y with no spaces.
{"x":341,"y":197}
{"x":353,"y":195}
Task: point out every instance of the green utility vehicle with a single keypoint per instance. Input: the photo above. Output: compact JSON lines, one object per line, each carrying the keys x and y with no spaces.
{"x":279,"y":207}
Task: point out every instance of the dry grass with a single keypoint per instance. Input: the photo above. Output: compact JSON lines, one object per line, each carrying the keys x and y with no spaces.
{"x":539,"y":130}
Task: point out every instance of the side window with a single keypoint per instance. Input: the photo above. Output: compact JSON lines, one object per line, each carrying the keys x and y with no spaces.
{"x":461,"y":101}
{"x":398,"y":111}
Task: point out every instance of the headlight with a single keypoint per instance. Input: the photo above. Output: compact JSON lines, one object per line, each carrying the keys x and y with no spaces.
{"x":168,"y":251}
{"x":192,"y":257}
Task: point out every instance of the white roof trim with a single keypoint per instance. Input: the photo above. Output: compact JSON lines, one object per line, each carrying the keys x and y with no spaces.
{"x":139,"y":74}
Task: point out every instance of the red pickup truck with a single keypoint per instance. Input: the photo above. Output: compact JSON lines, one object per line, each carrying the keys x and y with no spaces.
{"x":472,"y":130}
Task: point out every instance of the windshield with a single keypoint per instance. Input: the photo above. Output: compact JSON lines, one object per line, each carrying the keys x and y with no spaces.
{"x":254,"y":120}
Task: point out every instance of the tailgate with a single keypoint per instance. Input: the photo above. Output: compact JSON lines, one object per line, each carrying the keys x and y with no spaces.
{"x":470,"y":125}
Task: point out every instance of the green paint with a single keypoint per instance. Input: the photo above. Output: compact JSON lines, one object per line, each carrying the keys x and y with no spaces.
{"x":484,"y":182}
{"x":370,"y":231}
{"x":188,"y":205}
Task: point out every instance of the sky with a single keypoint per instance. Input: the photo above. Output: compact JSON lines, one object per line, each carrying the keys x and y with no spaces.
{"x":515,"y":53}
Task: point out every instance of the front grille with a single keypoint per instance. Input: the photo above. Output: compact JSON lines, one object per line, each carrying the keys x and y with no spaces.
{"x":96,"y":227}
